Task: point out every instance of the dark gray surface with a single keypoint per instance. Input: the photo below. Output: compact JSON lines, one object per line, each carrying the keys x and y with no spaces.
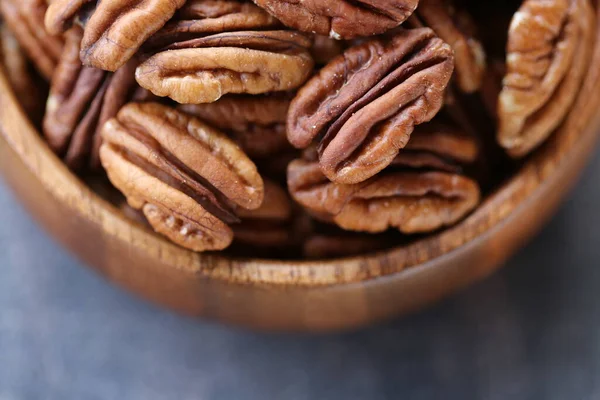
{"x":529,"y":332}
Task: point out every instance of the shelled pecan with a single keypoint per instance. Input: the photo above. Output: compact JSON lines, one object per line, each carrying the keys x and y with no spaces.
{"x":19,"y":75}
{"x":386,"y":119}
{"x":365,"y":104}
{"x":25,"y":18}
{"x":548,"y":53}
{"x":455,"y":26}
{"x":423,"y":190}
{"x":186,"y":177}
{"x":81,"y":100}
{"x":256,"y":123}
{"x":199,"y":18}
{"x":244,"y":56}
{"x":114,"y":29}
{"x":268,"y":226}
{"x":341,"y":19}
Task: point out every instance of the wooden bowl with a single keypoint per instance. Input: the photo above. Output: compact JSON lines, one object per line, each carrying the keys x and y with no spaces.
{"x":300,"y":296}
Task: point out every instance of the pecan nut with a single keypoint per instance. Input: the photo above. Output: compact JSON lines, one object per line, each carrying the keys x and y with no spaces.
{"x":186,"y":177}
{"x":25,"y":18}
{"x":341,"y":19}
{"x":256,"y":123}
{"x":548,"y":52}
{"x":269,"y":225}
{"x":365,"y":104}
{"x":455,"y":26}
{"x":202,"y":17}
{"x":114,"y":29}
{"x":423,"y":190}
{"x":16,"y":67}
{"x":81,"y":100}
{"x":210,"y":65}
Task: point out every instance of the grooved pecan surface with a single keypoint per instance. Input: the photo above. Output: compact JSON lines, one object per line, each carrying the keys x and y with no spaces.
{"x":241,"y":57}
{"x":256,"y":123}
{"x":365,"y":104}
{"x":421,"y":191}
{"x":203,"y":17}
{"x":186,"y":177}
{"x":114,"y":29}
{"x":16,"y":67}
{"x":454,"y":26}
{"x":548,"y":52}
{"x":81,"y":100}
{"x":341,"y":19}
{"x":25,"y":18}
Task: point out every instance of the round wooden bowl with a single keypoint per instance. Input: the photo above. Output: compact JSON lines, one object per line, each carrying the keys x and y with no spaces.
{"x":299,"y":296}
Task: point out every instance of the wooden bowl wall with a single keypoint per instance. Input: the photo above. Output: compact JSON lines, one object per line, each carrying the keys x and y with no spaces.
{"x":299,"y":296}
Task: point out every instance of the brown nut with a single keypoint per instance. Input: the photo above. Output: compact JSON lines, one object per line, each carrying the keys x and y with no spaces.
{"x":256,"y":123}
{"x":202,"y":69}
{"x":455,"y":27}
{"x":409,"y":202}
{"x":268,"y":225}
{"x":114,"y":29}
{"x":548,"y":52}
{"x":365,"y":104}
{"x":81,"y":100}
{"x":17,"y":69}
{"x":203,"y":17}
{"x":423,"y":190}
{"x":25,"y":18}
{"x":185,"y":176}
{"x":341,"y":19}
{"x":439,"y":145}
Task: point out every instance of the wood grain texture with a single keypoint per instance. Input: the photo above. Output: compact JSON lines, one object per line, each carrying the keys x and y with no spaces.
{"x":305,"y":296}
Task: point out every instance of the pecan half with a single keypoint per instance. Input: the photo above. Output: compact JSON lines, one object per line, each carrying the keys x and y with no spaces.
{"x":114,"y":29}
{"x":268,"y":225}
{"x":16,"y":67}
{"x":455,"y":26}
{"x":81,"y":100}
{"x":256,"y":123}
{"x":202,"y":69}
{"x":366,"y":103}
{"x":548,"y":52}
{"x":25,"y":18}
{"x":341,"y":19}
{"x":203,"y":17}
{"x":186,"y":177}
{"x":423,"y":190}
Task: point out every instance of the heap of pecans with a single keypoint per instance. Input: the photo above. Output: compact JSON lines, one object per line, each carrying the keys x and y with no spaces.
{"x":301,"y":128}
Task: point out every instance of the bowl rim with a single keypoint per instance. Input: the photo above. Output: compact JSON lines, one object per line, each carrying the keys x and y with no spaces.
{"x":537,"y":172}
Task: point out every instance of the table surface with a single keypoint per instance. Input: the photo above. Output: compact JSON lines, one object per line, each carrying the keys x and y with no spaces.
{"x":529,"y":332}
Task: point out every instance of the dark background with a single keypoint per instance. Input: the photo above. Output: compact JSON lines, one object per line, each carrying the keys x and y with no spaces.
{"x":531,"y":331}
